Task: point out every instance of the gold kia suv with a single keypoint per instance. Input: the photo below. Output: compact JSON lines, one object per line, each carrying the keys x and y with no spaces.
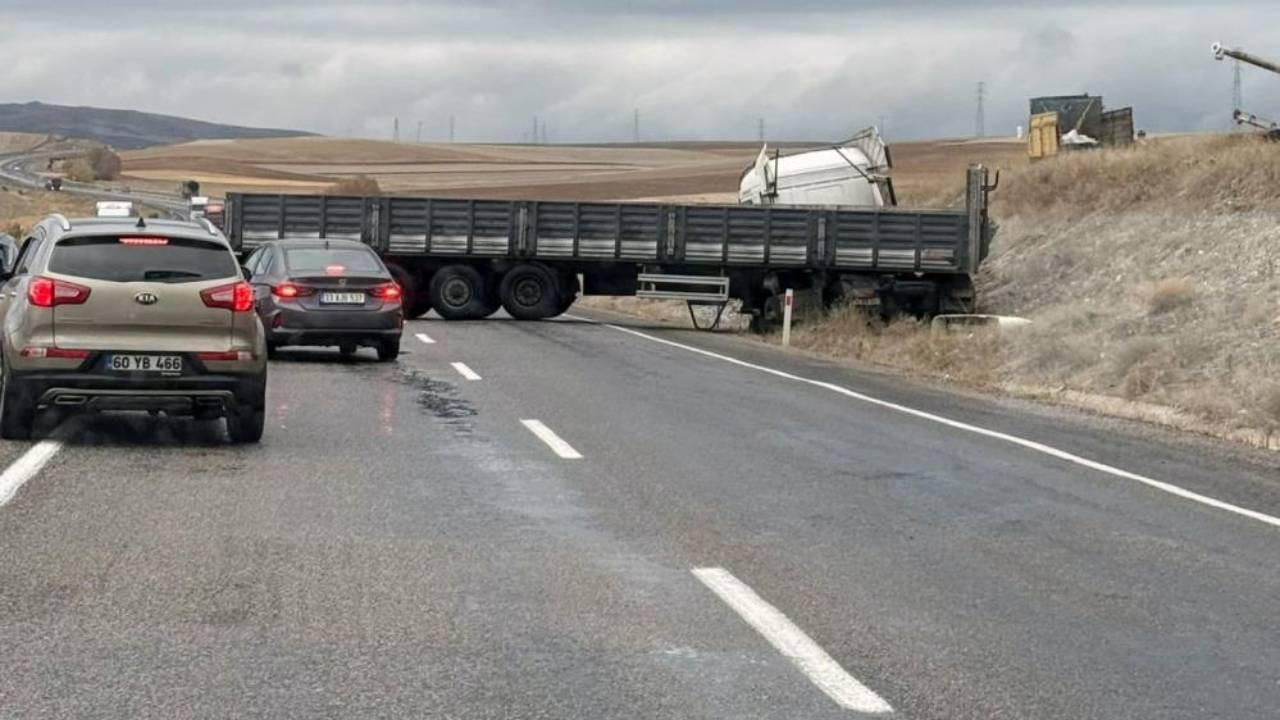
{"x":130,"y":314}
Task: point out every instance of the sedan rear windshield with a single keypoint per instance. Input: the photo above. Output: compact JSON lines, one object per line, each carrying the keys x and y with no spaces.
{"x":321,"y":259}
{"x":142,"y":259}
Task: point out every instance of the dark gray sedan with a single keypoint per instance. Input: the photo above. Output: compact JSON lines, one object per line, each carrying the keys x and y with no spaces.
{"x":326,"y":292}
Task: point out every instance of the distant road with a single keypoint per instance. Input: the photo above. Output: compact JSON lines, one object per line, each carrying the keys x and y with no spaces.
{"x":15,"y":168}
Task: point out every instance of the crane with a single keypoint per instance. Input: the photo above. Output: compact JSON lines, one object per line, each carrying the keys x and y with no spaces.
{"x":1221,"y":51}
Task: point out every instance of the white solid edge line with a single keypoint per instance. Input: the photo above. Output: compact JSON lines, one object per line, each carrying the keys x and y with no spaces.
{"x":465,"y":371}
{"x":1014,"y":439}
{"x":425,"y":338}
{"x":30,"y":463}
{"x":546,"y":435}
{"x":792,"y":642}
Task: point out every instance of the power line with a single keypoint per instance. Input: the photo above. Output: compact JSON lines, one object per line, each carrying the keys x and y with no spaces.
{"x":980,"y":121}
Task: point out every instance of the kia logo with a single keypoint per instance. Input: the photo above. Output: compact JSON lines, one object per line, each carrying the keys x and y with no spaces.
{"x":146,"y":298}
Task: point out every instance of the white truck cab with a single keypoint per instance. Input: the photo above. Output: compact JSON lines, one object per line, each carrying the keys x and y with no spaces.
{"x":853,"y":173}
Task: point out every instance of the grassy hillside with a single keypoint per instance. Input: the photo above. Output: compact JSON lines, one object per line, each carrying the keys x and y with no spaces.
{"x":122,"y":129}
{"x":1152,"y":278}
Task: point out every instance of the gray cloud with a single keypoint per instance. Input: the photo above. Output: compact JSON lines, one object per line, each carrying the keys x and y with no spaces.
{"x":812,"y":68}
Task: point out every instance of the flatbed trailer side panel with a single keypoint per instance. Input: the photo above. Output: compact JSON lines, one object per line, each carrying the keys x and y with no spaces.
{"x":919,"y":255}
{"x":710,"y":236}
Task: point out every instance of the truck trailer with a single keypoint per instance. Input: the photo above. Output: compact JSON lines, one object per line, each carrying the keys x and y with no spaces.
{"x":466,"y":258}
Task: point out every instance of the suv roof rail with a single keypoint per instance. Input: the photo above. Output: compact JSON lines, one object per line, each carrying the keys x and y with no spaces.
{"x":213,"y":229}
{"x":62,"y":220}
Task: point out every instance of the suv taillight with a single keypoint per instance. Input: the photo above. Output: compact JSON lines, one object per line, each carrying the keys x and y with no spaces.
{"x":47,"y":292}
{"x":390,"y":291}
{"x":236,"y":297}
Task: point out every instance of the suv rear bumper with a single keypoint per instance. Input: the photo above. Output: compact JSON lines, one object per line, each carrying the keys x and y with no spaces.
{"x":177,"y":395}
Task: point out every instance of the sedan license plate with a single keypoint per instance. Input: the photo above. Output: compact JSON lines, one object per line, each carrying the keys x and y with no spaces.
{"x":342,"y":298}
{"x":145,"y":363}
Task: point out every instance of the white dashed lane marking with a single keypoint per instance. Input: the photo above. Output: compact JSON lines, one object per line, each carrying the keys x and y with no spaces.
{"x":553,"y":441}
{"x":31,"y":461}
{"x":465,"y":371}
{"x":792,"y":642}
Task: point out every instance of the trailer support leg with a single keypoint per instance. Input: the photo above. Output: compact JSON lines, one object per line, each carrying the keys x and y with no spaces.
{"x":693,"y":317}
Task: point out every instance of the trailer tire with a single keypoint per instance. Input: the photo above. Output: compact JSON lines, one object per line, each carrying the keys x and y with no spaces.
{"x":569,"y":289}
{"x":530,"y":292}
{"x":415,"y":303}
{"x":770,"y":316}
{"x":457,"y":292}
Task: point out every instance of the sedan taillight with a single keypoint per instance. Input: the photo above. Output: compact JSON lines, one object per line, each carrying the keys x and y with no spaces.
{"x":390,"y":291}
{"x":47,"y":292}
{"x":289,"y":291}
{"x":236,"y":297}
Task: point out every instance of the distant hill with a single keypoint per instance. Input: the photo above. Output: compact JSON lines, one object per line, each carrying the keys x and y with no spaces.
{"x":123,"y":129}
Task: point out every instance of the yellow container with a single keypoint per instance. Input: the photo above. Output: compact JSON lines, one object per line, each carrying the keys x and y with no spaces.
{"x":1042,"y":138}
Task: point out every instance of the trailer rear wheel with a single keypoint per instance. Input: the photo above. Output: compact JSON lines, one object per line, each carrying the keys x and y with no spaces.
{"x":457,"y":292}
{"x":412,"y":299}
{"x":569,"y":289}
{"x":769,"y":318}
{"x":529,"y":292}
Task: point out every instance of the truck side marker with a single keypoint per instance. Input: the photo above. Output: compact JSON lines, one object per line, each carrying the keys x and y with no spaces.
{"x":995,"y":434}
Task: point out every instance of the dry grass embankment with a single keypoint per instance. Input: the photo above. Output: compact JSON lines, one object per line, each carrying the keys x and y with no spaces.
{"x":1152,"y":279}
{"x":22,"y":208}
{"x":1152,"y":276}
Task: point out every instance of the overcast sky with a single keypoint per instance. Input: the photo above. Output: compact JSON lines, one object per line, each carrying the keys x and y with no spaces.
{"x":813,"y":69}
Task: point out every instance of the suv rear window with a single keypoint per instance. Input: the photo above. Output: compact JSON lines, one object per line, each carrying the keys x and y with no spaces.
{"x":142,"y":259}
{"x":318,"y":259}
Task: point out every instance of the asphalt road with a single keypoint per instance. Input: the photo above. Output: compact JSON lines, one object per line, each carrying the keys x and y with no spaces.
{"x":403,"y":544}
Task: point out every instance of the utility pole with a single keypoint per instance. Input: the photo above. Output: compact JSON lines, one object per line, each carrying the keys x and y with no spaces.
{"x":880,"y":125}
{"x":395,"y":130}
{"x":760,"y":129}
{"x":419,"y":136}
{"x":534,"y":139}
{"x":980,"y":121}
{"x":1237,"y":94}
{"x":451,"y":128}
{"x":635,"y":126}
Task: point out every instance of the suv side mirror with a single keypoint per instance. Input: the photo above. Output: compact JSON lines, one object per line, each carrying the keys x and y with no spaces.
{"x":8,"y":255}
